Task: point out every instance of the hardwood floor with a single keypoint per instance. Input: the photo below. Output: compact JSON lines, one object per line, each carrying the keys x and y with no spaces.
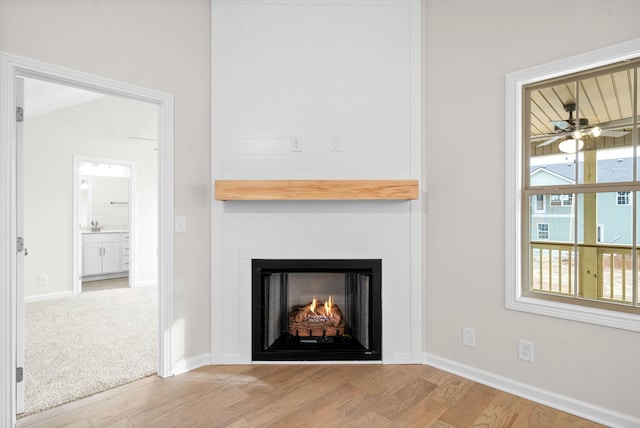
{"x":305,"y":396}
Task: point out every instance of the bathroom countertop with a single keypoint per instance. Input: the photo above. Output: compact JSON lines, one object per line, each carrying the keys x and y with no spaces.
{"x":107,"y":231}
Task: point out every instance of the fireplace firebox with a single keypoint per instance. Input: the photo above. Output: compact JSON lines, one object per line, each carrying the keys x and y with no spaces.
{"x":314,"y":310}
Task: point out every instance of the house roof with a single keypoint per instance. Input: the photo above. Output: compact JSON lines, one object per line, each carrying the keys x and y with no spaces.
{"x":609,"y":170}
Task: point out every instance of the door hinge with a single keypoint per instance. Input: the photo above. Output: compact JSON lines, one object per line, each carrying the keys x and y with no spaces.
{"x":19,"y":114}
{"x":19,"y":374}
{"x":20,"y":244}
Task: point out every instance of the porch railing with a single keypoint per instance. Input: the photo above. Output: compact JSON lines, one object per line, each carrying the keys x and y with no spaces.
{"x":554,"y":268}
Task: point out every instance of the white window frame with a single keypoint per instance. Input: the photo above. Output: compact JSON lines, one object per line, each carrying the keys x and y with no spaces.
{"x":514,"y":164}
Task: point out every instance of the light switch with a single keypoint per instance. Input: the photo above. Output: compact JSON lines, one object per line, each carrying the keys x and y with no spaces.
{"x":181,"y":224}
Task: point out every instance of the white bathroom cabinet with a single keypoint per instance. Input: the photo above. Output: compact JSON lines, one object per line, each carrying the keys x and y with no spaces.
{"x":105,"y":253}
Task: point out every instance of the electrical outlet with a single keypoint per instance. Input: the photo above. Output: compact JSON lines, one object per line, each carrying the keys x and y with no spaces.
{"x":525,"y":350}
{"x":43,"y":279}
{"x":469,"y":337}
{"x":334,"y":144}
{"x":296,"y":144}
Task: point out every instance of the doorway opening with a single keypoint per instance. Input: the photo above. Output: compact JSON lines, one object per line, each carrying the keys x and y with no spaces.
{"x":12,"y":247}
{"x":105,"y":211}
{"x":89,"y":233}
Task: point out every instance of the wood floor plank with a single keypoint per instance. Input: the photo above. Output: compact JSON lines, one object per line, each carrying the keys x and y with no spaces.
{"x":401,"y":400}
{"x":369,"y":419}
{"x":321,"y":410}
{"x":470,"y":406}
{"x":498,"y":414}
{"x":536,"y":415}
{"x":451,"y":389}
{"x":295,"y":395}
{"x":423,"y":413}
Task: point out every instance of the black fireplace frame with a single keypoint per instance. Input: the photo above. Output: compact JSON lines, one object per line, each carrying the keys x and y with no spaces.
{"x":315,"y":352}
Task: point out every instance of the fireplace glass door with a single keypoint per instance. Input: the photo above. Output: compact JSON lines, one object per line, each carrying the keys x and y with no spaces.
{"x":310,"y":310}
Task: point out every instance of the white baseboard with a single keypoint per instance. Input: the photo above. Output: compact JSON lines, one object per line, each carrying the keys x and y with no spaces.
{"x":188,"y":364}
{"x":566,"y":404}
{"x":316,"y":363}
{"x":402,"y":358}
{"x":48,"y":296}
{"x":149,"y":283}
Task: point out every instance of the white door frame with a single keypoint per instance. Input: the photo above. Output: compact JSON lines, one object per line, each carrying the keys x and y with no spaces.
{"x":11,"y":67}
{"x":20,"y":321}
{"x":132,"y":216}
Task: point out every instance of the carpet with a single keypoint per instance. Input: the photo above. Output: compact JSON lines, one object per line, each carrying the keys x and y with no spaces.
{"x":81,"y":345}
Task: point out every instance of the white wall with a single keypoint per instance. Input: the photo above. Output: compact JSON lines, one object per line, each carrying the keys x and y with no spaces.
{"x":105,"y":190}
{"x":99,"y":129}
{"x":317,"y":70}
{"x":470,"y":46}
{"x":158,"y":44}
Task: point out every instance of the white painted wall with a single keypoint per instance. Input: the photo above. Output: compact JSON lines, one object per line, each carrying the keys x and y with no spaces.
{"x":158,"y":44}
{"x":105,"y":190}
{"x":469,"y":47}
{"x":317,"y":71}
{"x":99,"y":129}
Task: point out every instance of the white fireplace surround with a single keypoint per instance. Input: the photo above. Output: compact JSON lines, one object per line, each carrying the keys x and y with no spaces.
{"x":388,"y":317}
{"x":341,"y":80}
{"x":383,"y":233}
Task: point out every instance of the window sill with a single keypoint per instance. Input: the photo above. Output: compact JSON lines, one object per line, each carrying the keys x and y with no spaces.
{"x":614,"y":319}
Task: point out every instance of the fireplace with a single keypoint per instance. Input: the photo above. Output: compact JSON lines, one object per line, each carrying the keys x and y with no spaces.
{"x":313,"y":310}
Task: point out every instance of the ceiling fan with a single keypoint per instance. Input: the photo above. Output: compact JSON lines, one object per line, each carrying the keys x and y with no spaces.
{"x":565,"y":128}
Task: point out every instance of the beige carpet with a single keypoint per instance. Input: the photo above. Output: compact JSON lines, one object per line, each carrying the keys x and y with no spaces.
{"x":81,"y":345}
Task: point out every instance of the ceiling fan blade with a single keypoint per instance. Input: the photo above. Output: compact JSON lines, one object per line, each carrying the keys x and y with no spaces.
{"x":550,"y":140}
{"x":606,"y":133}
{"x":560,"y":124}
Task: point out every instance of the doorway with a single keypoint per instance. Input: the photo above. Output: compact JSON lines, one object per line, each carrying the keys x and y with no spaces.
{"x":90,"y":198}
{"x":11,"y":68}
{"x":104,"y":210}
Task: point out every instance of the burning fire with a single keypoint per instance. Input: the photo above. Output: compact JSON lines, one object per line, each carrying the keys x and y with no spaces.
{"x":316,"y":319}
{"x":328,"y":305}
{"x":322,"y":311}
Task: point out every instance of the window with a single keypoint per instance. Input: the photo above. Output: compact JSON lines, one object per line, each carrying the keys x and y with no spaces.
{"x":623,"y":198}
{"x":600,"y":233}
{"x":564,"y":200}
{"x":539,"y":204}
{"x":572,"y":131}
{"x":543,"y":230}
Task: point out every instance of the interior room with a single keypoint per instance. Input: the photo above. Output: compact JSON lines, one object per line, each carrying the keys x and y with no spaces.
{"x":89,"y":163}
{"x":391,"y":131}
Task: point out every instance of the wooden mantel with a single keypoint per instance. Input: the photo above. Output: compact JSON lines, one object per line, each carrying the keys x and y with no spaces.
{"x":306,"y":190}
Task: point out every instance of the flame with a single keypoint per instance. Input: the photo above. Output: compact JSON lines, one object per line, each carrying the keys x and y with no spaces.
{"x":328,"y":305}
{"x":325,"y":310}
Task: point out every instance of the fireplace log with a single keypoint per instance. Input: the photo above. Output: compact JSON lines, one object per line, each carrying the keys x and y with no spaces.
{"x":304,"y":322}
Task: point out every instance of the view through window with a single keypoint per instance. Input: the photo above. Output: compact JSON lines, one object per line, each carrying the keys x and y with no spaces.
{"x":580,"y":178}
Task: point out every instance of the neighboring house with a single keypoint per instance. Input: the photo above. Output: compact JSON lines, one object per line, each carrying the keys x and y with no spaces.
{"x":551,"y":215}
